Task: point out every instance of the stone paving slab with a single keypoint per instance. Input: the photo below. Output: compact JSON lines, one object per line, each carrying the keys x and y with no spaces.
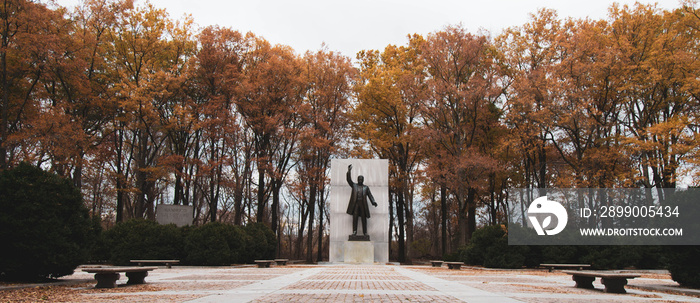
{"x":344,"y":297}
{"x":361,"y":285}
{"x":253,"y":291}
{"x":351,"y":283}
{"x":542,"y":286}
{"x":455,"y":289}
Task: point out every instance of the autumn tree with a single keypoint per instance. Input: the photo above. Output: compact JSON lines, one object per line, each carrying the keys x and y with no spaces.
{"x":214,"y":81}
{"x":391,"y":90}
{"x":148,"y":53}
{"x":659,"y":52}
{"x":461,"y":115}
{"x":587,"y":107}
{"x":178,"y":113}
{"x":80,"y":89}
{"x":328,"y":77}
{"x":530,"y":55}
{"x":29,"y":39}
{"x":267,"y":98}
{"x":689,"y":15}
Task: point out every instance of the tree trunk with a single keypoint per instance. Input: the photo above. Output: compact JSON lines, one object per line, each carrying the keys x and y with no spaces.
{"x":391,"y":219}
{"x":239,"y":190}
{"x":274,"y":208}
{"x":141,"y":175}
{"x":400,"y":215}
{"x":471,"y":213}
{"x":543,"y":169}
{"x":196,"y":196}
{"x":300,"y":232}
{"x":150,"y":200}
{"x":78,"y":173}
{"x":461,"y":219}
{"x":215,"y":189}
{"x":310,"y":239}
{"x":319,"y":252}
{"x":238,"y":204}
{"x":435,"y":225}
{"x":409,"y":222}
{"x":263,"y":156}
{"x":178,"y":196}
{"x":119,"y":145}
{"x":321,"y":203}
{"x":261,"y":193}
{"x":192,"y":171}
{"x":443,"y":215}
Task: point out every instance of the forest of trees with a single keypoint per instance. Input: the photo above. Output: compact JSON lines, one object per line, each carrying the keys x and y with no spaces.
{"x":139,"y":109}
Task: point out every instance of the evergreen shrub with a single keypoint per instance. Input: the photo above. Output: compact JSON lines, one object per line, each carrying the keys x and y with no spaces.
{"x":489,"y":247}
{"x":142,"y":239}
{"x":45,"y":229}
{"x":210,"y":244}
{"x":263,"y":242}
{"x":684,"y":265}
{"x":216,"y":244}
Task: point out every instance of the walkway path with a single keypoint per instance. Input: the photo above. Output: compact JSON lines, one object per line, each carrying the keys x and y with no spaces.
{"x":353,"y":283}
{"x":365,"y":283}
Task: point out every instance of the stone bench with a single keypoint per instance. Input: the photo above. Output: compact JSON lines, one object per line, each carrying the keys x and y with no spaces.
{"x":168,"y":263}
{"x":281,"y":261}
{"x":107,"y":276}
{"x":552,"y":266}
{"x":436,"y":263}
{"x":614,"y":282}
{"x":264,"y":263}
{"x":454,"y":265}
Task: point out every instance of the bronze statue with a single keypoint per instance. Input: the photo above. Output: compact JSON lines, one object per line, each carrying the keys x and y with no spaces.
{"x":358,"y":207}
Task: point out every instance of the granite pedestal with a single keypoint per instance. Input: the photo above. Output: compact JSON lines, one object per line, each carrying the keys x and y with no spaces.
{"x":361,"y":252}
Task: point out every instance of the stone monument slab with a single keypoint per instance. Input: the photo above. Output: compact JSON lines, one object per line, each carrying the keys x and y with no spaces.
{"x":179,"y":215}
{"x":376,"y":178}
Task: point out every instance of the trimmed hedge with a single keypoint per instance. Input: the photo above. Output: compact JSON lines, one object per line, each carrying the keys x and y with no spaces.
{"x":142,"y":239}
{"x":216,"y":244}
{"x":489,"y":248}
{"x":684,"y":265}
{"x":210,"y":244}
{"x":263,"y":243}
{"x":45,"y":229}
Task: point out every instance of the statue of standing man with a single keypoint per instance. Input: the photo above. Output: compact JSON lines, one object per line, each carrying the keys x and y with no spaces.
{"x":358,"y":207}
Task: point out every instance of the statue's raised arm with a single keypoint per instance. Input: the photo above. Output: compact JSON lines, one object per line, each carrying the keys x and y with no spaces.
{"x":348,"y":176}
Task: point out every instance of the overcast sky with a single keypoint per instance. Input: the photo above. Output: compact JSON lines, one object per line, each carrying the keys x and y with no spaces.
{"x":349,"y":26}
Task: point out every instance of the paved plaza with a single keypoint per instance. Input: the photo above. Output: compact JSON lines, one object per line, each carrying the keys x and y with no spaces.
{"x":349,"y":283}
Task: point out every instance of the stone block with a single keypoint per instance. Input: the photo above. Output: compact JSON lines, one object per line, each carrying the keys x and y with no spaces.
{"x":361,"y":252}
